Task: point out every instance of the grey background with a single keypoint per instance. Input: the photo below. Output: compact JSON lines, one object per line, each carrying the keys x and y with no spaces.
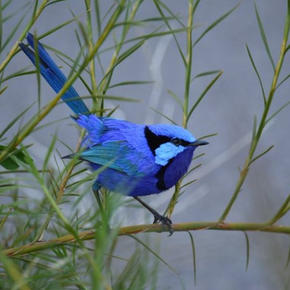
{"x":228,"y":110}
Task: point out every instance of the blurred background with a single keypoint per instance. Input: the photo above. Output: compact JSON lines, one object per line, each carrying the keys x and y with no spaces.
{"x":228,"y":110}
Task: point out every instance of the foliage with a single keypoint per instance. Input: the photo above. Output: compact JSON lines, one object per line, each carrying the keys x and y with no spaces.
{"x":64,"y":260}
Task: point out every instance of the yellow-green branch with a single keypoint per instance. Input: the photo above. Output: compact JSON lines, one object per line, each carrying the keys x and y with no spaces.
{"x":149,"y":228}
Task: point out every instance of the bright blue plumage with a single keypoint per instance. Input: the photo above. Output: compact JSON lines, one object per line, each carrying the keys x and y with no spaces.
{"x":54,"y":76}
{"x":141,"y":160}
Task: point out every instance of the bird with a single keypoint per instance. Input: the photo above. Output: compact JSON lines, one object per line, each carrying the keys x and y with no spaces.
{"x":138,"y":159}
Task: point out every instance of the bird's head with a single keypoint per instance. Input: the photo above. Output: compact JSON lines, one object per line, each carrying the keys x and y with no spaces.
{"x":167,"y":141}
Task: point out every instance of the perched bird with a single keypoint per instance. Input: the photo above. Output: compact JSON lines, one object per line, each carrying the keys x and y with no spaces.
{"x":140,"y":159}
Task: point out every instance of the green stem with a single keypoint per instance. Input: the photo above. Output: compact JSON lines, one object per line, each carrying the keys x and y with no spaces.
{"x":188,"y":63}
{"x":262,"y":123}
{"x":92,"y":62}
{"x":188,"y":69}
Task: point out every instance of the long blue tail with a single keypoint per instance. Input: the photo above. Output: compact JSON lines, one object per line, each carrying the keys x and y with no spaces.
{"x":53,"y":75}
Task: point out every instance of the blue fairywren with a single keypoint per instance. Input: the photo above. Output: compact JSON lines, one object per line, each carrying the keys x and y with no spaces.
{"x":140,"y":159}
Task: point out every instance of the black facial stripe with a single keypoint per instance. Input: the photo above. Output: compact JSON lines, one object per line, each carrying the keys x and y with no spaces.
{"x":154,"y":141}
{"x":181,"y":142}
{"x":160,"y":176}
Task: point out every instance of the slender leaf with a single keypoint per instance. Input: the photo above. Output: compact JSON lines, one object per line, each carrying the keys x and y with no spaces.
{"x":264,"y":38}
{"x":5,"y":218}
{"x":21,"y":72}
{"x":288,"y":259}
{"x":2,"y":91}
{"x":257,"y":73}
{"x":131,"y":83}
{"x":260,"y":155}
{"x":109,"y":97}
{"x":193,"y":256}
{"x":15,"y":120}
{"x":176,"y":98}
{"x":161,"y":114}
{"x":248,"y":250}
{"x":276,"y":113}
{"x":12,"y":33}
{"x":286,"y":78}
{"x":157,"y":2}
{"x":215,"y":23}
{"x":58,"y":27}
{"x":207,"y":73}
{"x":203,"y":94}
{"x":154,"y":253}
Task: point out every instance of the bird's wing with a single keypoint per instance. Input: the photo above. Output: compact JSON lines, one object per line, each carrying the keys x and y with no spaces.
{"x":114,"y":155}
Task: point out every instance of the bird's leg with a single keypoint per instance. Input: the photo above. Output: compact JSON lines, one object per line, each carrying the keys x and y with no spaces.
{"x":157,"y":216}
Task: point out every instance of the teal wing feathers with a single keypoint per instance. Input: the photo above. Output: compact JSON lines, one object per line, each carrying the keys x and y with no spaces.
{"x":114,"y":155}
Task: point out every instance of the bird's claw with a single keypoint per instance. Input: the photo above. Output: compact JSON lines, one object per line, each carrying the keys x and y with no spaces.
{"x":164,"y":221}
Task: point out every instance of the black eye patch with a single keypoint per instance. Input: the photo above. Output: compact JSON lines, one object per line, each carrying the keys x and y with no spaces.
{"x":155,"y":141}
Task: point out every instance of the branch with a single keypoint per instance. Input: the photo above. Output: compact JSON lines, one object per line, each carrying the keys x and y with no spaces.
{"x":149,"y":228}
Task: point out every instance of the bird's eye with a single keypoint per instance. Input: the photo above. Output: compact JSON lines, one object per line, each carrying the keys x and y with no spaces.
{"x":176,"y":141}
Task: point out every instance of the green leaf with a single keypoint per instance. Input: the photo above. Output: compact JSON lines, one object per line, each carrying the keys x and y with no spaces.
{"x":148,"y":36}
{"x":203,"y":94}
{"x":215,"y":23}
{"x":120,"y":59}
{"x":192,"y":169}
{"x":156,"y":2}
{"x":13,"y":32}
{"x":1,"y":25}
{"x":288,"y":259}
{"x":154,"y":253}
{"x":206,"y":73}
{"x":49,"y":153}
{"x":286,"y":78}
{"x":6,"y":215}
{"x":161,"y":114}
{"x":131,"y":83}
{"x":2,"y":91}
{"x":277,"y":112}
{"x":11,"y":162}
{"x":58,"y":27}
{"x":254,"y":132}
{"x":208,"y":136}
{"x":257,"y":73}
{"x":193,"y":256}
{"x":109,"y":97}
{"x":188,"y":183}
{"x":176,"y":98}
{"x":9,"y":16}
{"x":113,"y":111}
{"x":21,"y":72}
{"x":4,"y":6}
{"x":248,"y":250}
{"x":14,"y":121}
{"x":260,"y":155}
{"x":73,"y":69}
{"x":264,"y":38}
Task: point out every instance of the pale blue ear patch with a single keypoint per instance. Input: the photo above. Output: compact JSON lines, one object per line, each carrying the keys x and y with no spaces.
{"x":167,"y":151}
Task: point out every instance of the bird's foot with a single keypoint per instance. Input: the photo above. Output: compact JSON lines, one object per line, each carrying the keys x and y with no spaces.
{"x":164,"y":221}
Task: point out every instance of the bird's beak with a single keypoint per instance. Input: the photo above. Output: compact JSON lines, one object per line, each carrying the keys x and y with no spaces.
{"x":199,"y":143}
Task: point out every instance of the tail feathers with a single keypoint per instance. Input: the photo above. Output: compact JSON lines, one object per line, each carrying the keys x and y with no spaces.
{"x":53,"y":75}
